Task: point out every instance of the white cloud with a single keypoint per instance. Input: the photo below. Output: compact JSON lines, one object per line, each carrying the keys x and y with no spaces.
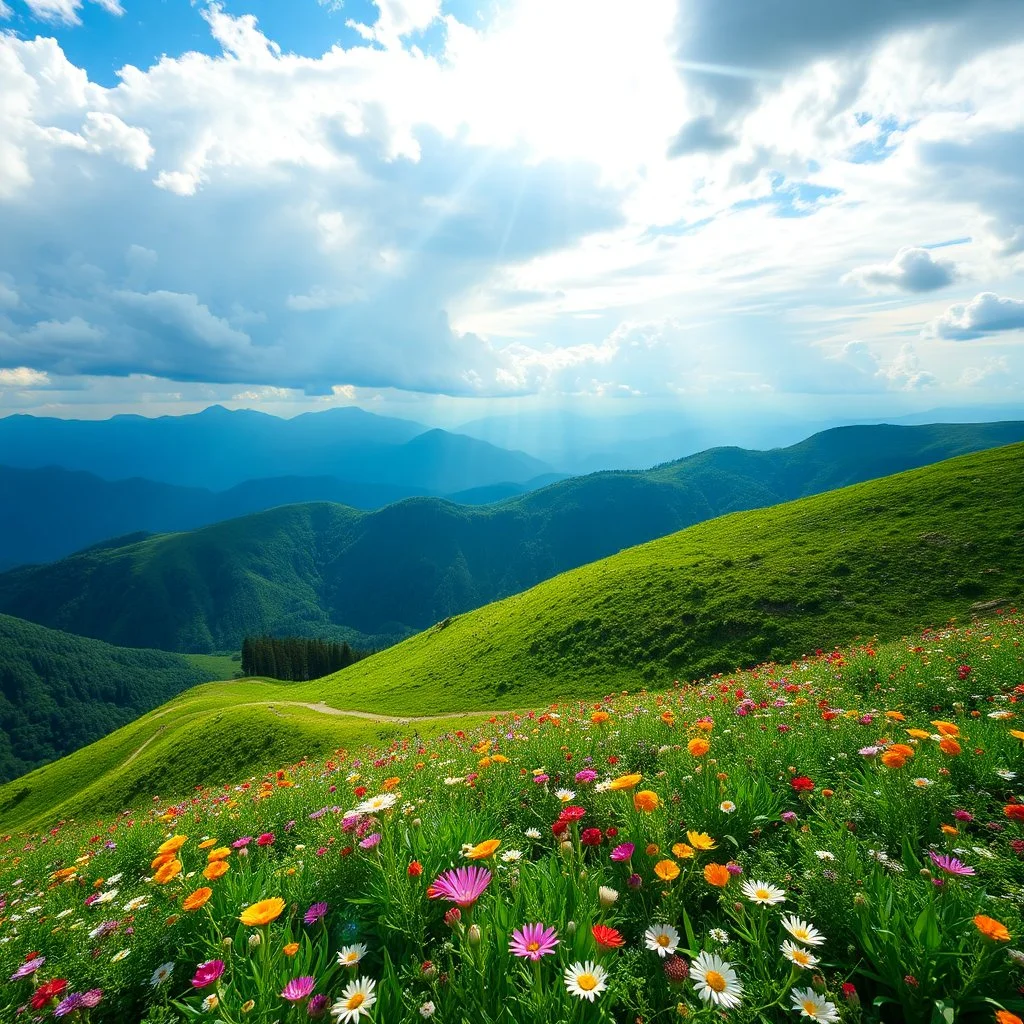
{"x":23,"y":377}
{"x":66,"y":11}
{"x":107,"y":133}
{"x":910,"y":270}
{"x":5,"y":11}
{"x":985,"y":314}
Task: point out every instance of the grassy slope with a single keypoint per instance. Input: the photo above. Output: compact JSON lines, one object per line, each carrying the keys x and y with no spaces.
{"x":211,"y":734}
{"x":59,"y":692}
{"x":326,"y":570}
{"x":880,"y":558}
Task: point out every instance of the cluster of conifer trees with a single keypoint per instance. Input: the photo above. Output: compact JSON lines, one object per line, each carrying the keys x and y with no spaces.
{"x":295,"y":657}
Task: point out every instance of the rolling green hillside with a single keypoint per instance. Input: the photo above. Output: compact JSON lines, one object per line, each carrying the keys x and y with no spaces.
{"x":877,"y":559}
{"x":373,"y":578}
{"x":59,"y":692}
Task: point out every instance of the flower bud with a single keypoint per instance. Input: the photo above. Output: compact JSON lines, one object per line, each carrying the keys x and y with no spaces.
{"x":607,"y":896}
{"x":570,"y":928}
{"x":227,"y":942}
{"x":474,"y":935}
{"x":453,"y":917}
{"x":254,"y":940}
{"x":565,"y":848}
{"x":818,"y":983}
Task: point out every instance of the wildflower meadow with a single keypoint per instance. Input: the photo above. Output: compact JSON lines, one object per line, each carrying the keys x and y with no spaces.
{"x":836,"y":839}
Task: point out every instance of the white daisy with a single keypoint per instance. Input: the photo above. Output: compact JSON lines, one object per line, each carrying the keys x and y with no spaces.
{"x":532,"y":833}
{"x":586,"y":980}
{"x":349,"y":956}
{"x":798,"y":955}
{"x":764,"y":893}
{"x":716,"y":981}
{"x":565,"y":795}
{"x":106,"y":897}
{"x":427,"y":1009}
{"x":118,"y":957}
{"x":1000,"y":714}
{"x":923,"y":783}
{"x":1006,"y":774}
{"x":802,"y":931}
{"x":136,"y":903}
{"x":809,"y":1004}
{"x":210,"y":1003}
{"x":727,"y":806}
{"x":162,"y":973}
{"x":509,"y":856}
{"x":719,"y":935}
{"x":114,"y":879}
{"x":383,"y":802}
{"x":662,"y":938}
{"x":356,"y":999}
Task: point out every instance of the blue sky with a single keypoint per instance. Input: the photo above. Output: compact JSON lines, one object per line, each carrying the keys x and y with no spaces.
{"x":450,"y":210}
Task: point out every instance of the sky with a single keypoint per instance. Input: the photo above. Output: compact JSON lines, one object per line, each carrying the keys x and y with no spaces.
{"x":456,"y":209}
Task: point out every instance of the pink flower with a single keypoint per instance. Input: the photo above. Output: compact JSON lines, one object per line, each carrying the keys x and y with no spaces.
{"x":623,"y":851}
{"x":266,"y":839}
{"x":207,"y":973}
{"x":298,"y":989}
{"x":463,"y":886}
{"x":587,"y":775}
{"x":370,"y":841}
{"x":315,"y":913}
{"x":950,"y":865}
{"x":533,"y":941}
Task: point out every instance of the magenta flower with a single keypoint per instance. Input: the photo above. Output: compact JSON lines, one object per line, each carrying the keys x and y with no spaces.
{"x":315,"y":913}
{"x":623,"y":851}
{"x":541,"y":779}
{"x":950,"y":865}
{"x":463,"y":886}
{"x":370,"y":841}
{"x":68,"y":1005}
{"x":92,"y":998}
{"x":587,"y":775}
{"x":238,"y":844}
{"x":29,"y":967}
{"x":207,"y":973}
{"x":317,"y":1006}
{"x":533,"y":941}
{"x":299,"y":989}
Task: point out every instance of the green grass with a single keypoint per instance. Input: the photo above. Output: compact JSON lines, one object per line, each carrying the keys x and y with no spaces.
{"x":373,"y":578}
{"x":217,"y":666}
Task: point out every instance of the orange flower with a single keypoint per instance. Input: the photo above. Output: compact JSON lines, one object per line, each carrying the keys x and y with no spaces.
{"x":221,"y":853}
{"x":291,"y":949}
{"x":1017,"y":734}
{"x":895,"y":716}
{"x":716,"y":875}
{"x":698,"y":746}
{"x":172,"y":845}
{"x":666,"y":870}
{"x":262,"y":913}
{"x":600,"y":717}
{"x":682,"y":851}
{"x":902,"y":748}
{"x":624,"y":782}
{"x":705,"y":726}
{"x":484,"y":850}
{"x":218,"y":869}
{"x":1005,"y":1017}
{"x":167,"y":871}
{"x":701,"y":841}
{"x":892,"y":759}
{"x":950,"y":746}
{"x":499,"y":759}
{"x":947,"y":729}
{"x":159,"y":862}
{"x":919,"y":734}
{"x":389,"y":784}
{"x":991,"y":928}
{"x":646,"y":800}
{"x":197,"y":899}
{"x":652,"y":850}
{"x":207,"y":843}
{"x":950,"y":830}
{"x":668,"y":717}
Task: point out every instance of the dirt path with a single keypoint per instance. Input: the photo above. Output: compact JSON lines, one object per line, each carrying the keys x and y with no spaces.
{"x":135,"y":753}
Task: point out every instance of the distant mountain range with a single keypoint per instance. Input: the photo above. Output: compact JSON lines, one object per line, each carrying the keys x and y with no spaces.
{"x":218,"y":449}
{"x":50,"y":513}
{"x":373,"y":577}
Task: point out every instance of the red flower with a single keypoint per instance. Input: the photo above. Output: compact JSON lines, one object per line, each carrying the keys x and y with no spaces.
{"x":1014,"y":811}
{"x":801,"y":784}
{"x":360,"y":791}
{"x":612,"y":832}
{"x":560,"y":827}
{"x":591,"y":837}
{"x":572,"y":813}
{"x":415,"y":869}
{"x":267,"y":839}
{"x":607,"y":938}
{"x":47,"y":992}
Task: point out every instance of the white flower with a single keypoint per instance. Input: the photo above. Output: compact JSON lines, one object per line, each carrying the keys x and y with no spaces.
{"x":603,"y":786}
{"x":1004,"y":773}
{"x":118,"y":957}
{"x":764,"y":893}
{"x":383,"y":802}
{"x":162,"y":974}
{"x":719,"y":935}
{"x":210,"y":1003}
{"x":136,"y":903}
{"x":452,"y":781}
{"x":512,"y":855}
{"x":727,"y":806}
{"x":798,"y":955}
{"x":427,"y":1009}
{"x":607,"y":895}
{"x":716,"y":981}
{"x":349,"y":956}
{"x":802,"y":931}
{"x":106,"y":897}
{"x":356,"y":999}
{"x":811,"y":1005}
{"x":114,"y":879}
{"x":662,"y":938}
{"x":565,"y":795}
{"x":824,"y":855}
{"x":1000,"y":714}
{"x":923,"y":783}
{"x":532,"y":833}
{"x":586,"y":980}
{"x":66,"y":913}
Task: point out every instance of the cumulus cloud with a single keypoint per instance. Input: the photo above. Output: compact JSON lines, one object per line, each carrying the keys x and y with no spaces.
{"x":910,"y":270}
{"x":985,"y":314}
{"x":700,"y":136}
{"x":65,"y":12}
{"x":23,"y":377}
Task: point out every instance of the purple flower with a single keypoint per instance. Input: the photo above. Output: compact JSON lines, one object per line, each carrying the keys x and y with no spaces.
{"x":634,"y":881}
{"x":370,"y":841}
{"x":733,"y":868}
{"x":68,"y":1005}
{"x":789,"y":817}
{"x":463,"y":886}
{"x":207,"y":973}
{"x":622,"y":852}
{"x":533,"y":941}
{"x":315,"y":913}
{"x":299,"y":989}
{"x":950,"y":865}
{"x":317,"y":1006}
{"x":29,"y":967}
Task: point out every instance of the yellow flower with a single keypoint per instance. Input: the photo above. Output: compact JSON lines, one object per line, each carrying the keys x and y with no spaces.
{"x":666,"y":870}
{"x":499,"y":759}
{"x":701,"y":841}
{"x":263,"y":912}
{"x":919,"y":734}
{"x":646,"y":800}
{"x":221,"y":853}
{"x":207,"y":843}
{"x":895,"y":716}
{"x":484,"y":850}
{"x":172,"y":845}
{"x":1017,"y":734}
{"x":682,"y":851}
{"x":698,"y":746}
{"x":624,"y":782}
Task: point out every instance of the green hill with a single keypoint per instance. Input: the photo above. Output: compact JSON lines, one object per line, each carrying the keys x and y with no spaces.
{"x":59,"y":692}
{"x":877,"y":559}
{"x":373,"y":578}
